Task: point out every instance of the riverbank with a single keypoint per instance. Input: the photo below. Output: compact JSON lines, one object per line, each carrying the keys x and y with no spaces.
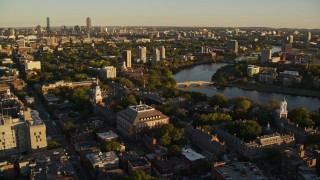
{"x":195,"y":63}
{"x":274,"y":89}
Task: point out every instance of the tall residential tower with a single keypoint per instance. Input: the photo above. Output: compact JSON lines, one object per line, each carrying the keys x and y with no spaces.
{"x":88,"y":23}
{"x":48,"y":24}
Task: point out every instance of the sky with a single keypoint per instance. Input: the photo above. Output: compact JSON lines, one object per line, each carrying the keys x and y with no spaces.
{"x":205,"y":13}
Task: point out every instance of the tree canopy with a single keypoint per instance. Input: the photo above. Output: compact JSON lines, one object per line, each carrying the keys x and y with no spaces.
{"x":301,"y":116}
{"x":210,"y":119}
{"x":247,"y":130}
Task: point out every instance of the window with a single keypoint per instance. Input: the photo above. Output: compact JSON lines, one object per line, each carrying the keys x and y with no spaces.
{"x":38,"y":147}
{"x":34,"y":133}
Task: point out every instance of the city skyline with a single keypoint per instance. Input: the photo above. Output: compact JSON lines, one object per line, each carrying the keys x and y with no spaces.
{"x":204,"y":13}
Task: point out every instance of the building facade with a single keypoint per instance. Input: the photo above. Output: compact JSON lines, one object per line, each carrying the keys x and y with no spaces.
{"x":135,"y":119}
{"x":32,"y":65}
{"x":143,"y":54}
{"x":108,"y":72}
{"x":265,"y":55}
{"x":24,"y":134}
{"x":155,"y":55}
{"x":232,"y":46}
{"x":127,"y":58}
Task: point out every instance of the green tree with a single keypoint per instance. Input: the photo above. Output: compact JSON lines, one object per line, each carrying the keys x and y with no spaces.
{"x":68,"y":127}
{"x":210,"y":119}
{"x":111,"y":146}
{"x":174,"y":150}
{"x":126,"y":82}
{"x":52,"y":144}
{"x":244,"y":104}
{"x":81,"y":95}
{"x":247,"y":130}
{"x":301,"y":116}
{"x":218,"y":100}
{"x":273,"y":103}
{"x":128,"y":100}
{"x":181,"y":113}
{"x":139,"y":175}
{"x":170,"y":135}
{"x":165,"y":139}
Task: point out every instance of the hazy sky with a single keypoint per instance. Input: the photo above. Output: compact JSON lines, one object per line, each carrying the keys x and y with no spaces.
{"x":214,"y":13}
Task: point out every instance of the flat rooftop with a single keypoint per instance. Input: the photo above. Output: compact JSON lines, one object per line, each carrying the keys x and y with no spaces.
{"x":139,"y":162}
{"x":241,"y":171}
{"x":107,"y":135}
{"x":36,"y":118}
{"x":142,"y":107}
{"x":191,"y":155}
{"x":50,"y":97}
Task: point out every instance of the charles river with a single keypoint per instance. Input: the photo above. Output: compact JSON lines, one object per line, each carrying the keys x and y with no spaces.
{"x":205,"y":71}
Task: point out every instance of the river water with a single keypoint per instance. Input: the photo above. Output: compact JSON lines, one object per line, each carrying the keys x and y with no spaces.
{"x":205,"y":71}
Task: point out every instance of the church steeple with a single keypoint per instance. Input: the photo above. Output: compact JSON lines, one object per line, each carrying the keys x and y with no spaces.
{"x":283,"y":112}
{"x":97,"y":97}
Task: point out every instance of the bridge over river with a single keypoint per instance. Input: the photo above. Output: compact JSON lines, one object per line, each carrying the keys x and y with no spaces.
{"x":194,"y":84}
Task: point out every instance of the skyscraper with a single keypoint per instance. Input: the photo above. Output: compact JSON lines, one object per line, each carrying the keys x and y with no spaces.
{"x":143,"y":54}
{"x":308,"y":39}
{"x":127,"y":58}
{"x":291,"y":39}
{"x":156,"y":55}
{"x":88,"y":25}
{"x":309,"y":36}
{"x":48,"y":24}
{"x":162,"y":53}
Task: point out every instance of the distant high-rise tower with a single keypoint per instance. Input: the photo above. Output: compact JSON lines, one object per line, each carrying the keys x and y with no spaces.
{"x":156,"y":55}
{"x":143,"y":54}
{"x":232,"y":46}
{"x":162,"y":53}
{"x":48,"y":24}
{"x":127,"y":58}
{"x":308,"y":39}
{"x":291,"y":39}
{"x":283,"y":111}
{"x":265,"y":55}
{"x":309,"y":36}
{"x":88,"y":25}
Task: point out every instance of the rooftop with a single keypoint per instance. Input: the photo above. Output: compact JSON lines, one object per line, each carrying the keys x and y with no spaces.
{"x":141,"y":113}
{"x":36,"y":118}
{"x":102,"y":158}
{"x":50,"y":97}
{"x":139,"y":162}
{"x":141,"y":107}
{"x":240,"y":171}
{"x":191,"y":155}
{"x":107,"y":135}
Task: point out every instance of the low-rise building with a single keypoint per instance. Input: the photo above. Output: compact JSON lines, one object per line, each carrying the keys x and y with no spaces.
{"x":139,"y":164}
{"x":205,"y":140}
{"x":102,"y":161}
{"x":107,"y":136}
{"x":108,"y":72}
{"x":252,"y":70}
{"x":290,"y":77}
{"x":258,"y":148}
{"x":32,"y":65}
{"x":296,"y":164}
{"x":136,"y":119}
{"x":267,"y":75}
{"x":240,"y":170}
{"x":193,"y":157}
